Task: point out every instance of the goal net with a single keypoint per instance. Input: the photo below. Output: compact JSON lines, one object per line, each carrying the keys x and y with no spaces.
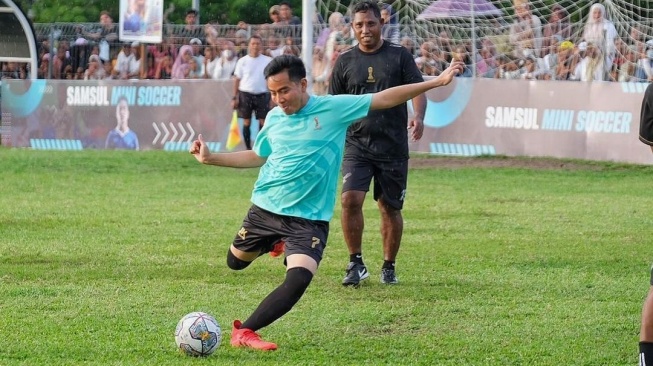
{"x":515,"y":28}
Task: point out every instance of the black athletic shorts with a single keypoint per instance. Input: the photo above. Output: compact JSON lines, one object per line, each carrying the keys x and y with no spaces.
{"x":390,"y":178}
{"x":257,"y":103}
{"x":262,"y":229}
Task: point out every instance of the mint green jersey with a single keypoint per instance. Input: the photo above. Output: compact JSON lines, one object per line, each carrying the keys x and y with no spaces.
{"x":304,"y":154}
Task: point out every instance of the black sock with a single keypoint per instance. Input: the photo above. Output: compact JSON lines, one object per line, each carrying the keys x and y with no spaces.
{"x":645,"y":353}
{"x":247,"y":136}
{"x":388,"y":265}
{"x":356,"y":258}
{"x":281,"y":300}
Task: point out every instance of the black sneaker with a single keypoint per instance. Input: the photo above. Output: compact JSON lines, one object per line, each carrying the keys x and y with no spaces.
{"x":388,"y":276}
{"x":355,"y":274}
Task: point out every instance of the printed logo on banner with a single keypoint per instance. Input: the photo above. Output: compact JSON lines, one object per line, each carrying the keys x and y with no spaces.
{"x":444,"y":113}
{"x":21,"y":103}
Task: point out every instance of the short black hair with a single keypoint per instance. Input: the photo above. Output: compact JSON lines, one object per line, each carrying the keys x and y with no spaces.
{"x":191,"y":11}
{"x":255,"y":36}
{"x":286,"y":3}
{"x":290,"y":63}
{"x":367,"y":5}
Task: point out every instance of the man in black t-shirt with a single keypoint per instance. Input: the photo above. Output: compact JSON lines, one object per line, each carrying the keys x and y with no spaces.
{"x":377,"y":146}
{"x":646,"y":330}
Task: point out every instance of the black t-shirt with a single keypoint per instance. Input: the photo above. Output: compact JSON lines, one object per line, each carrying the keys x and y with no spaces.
{"x":382,"y":134}
{"x":646,"y":117}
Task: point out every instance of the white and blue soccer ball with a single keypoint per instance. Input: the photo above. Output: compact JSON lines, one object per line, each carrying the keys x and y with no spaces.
{"x":198,"y":334}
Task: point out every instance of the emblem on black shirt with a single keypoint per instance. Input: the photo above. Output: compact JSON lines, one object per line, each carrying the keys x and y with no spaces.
{"x":370,"y":76}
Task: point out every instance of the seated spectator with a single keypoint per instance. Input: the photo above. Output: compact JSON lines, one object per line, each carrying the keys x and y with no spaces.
{"x":646,"y":62}
{"x":134,"y":68}
{"x":334,"y":22}
{"x":274,"y":47}
{"x":109,"y":72}
{"x":196,"y":46}
{"x":390,"y":30}
{"x":95,"y":70}
{"x":194,"y":69}
{"x":526,"y":32}
{"x":242,"y":30}
{"x":164,"y":68}
{"x":291,"y":50}
{"x":550,"y":60}
{"x":79,"y":74}
{"x":566,"y":61}
{"x":43,"y":72}
{"x":426,"y":63}
{"x":408,"y":44}
{"x":240,"y":47}
{"x":509,"y":68}
{"x":557,"y":27}
{"x":590,"y":68}
{"x":123,"y":62}
{"x":628,"y":71}
{"x":601,"y":33}
{"x":210,"y":60}
{"x":181,"y":66}
{"x":320,"y":71}
{"x":530,"y":69}
{"x":460,"y":54}
{"x":637,"y":38}
{"x":68,"y":73}
{"x":149,"y":71}
{"x":344,"y":38}
{"x":226,"y":65}
{"x":11,"y":70}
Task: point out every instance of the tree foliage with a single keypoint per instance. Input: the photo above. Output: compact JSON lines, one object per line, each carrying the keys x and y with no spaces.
{"x":249,"y":11}
{"x":88,"y":11}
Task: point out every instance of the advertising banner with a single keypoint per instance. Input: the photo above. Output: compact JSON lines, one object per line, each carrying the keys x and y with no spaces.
{"x":115,"y":114}
{"x":592,"y":121}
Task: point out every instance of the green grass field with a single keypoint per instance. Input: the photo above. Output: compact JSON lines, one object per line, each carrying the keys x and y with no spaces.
{"x":101,"y":253}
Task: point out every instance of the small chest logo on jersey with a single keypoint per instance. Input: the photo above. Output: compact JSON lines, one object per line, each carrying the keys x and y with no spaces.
{"x":370,"y":75}
{"x":317,"y":124}
{"x":242,"y":233}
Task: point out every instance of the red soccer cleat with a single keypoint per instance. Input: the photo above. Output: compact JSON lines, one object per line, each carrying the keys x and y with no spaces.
{"x":243,"y":337}
{"x":278,"y":248}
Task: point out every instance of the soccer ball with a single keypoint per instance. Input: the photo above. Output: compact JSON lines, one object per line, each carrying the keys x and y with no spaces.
{"x":198,"y":334}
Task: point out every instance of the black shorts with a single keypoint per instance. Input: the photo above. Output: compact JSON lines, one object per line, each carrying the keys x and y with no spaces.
{"x":262,"y":229}
{"x":390,"y":178}
{"x":257,"y":103}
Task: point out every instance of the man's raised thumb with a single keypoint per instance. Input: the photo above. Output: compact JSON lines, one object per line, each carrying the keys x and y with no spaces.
{"x":200,"y":138}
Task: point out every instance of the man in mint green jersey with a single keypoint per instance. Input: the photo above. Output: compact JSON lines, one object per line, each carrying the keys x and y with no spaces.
{"x":299,"y":151}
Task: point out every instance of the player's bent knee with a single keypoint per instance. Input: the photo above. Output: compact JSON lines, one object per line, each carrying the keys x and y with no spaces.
{"x":236,"y":263}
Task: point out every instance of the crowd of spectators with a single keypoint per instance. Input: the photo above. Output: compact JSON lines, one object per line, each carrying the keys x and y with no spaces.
{"x":526,"y":48}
